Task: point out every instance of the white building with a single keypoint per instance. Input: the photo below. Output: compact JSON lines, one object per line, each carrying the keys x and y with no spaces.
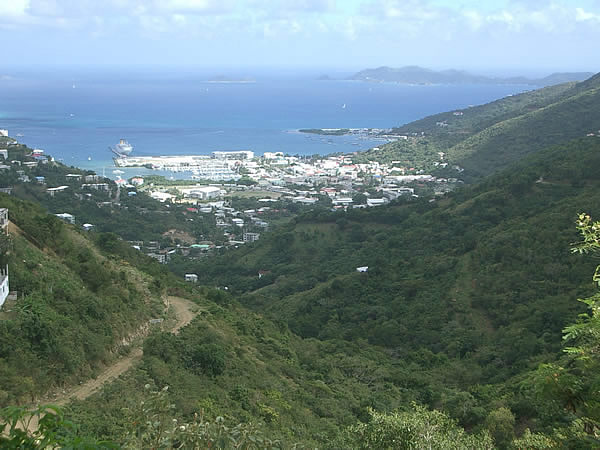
{"x":205,"y":192}
{"x":66,"y":217}
{"x":4,"y":153}
{"x":161,"y":196}
{"x":95,"y":186}
{"x":273,"y":155}
{"x":251,"y":237}
{"x":376,"y":201}
{"x":240,"y":154}
{"x":4,"y":289}
{"x":54,"y":190}
{"x":4,"y":133}
{"x":191,"y":277}
{"x":4,"y":219}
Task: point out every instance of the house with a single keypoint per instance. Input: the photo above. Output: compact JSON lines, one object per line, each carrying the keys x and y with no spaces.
{"x":4,"y":288}
{"x":376,"y":201}
{"x":238,"y":222}
{"x":251,"y":237}
{"x":161,"y":196}
{"x":4,"y":219}
{"x":54,"y":190}
{"x":205,"y":192}
{"x":137,"y":181}
{"x":191,"y":277}
{"x":6,"y":190}
{"x":161,"y":258}
{"x":4,"y":153}
{"x":95,"y":186}
{"x":73,"y":176}
{"x":362,"y":269}
{"x":91,"y":178}
{"x":66,"y":217}
{"x":40,"y":180}
{"x":87,"y":226}
{"x":342,"y":201}
{"x":4,"y":133}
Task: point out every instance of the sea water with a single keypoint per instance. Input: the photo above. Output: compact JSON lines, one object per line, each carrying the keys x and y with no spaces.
{"x":75,"y":118}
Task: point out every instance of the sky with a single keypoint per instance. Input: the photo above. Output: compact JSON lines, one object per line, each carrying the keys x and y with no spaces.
{"x":485,"y":36}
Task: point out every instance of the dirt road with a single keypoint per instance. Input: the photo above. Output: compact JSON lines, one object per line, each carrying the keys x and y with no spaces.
{"x":185,"y":311}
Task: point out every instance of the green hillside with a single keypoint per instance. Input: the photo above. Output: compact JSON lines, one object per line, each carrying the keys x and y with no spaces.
{"x":455,"y":331}
{"x":486,"y":138}
{"x":76,"y":303}
{"x":465,"y":295}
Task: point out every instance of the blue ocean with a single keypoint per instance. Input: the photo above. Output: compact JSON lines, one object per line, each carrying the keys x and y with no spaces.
{"x":76,"y":117}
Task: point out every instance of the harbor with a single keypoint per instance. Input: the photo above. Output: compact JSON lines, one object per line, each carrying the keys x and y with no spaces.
{"x":221,"y":165}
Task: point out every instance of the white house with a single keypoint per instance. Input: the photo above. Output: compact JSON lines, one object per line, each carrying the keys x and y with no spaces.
{"x":66,"y":217}
{"x":191,"y":277}
{"x":4,"y":133}
{"x":4,"y":290}
{"x":205,"y":192}
{"x":161,"y":196}
{"x":54,"y":190}
{"x":251,"y":237}
{"x":362,"y":269}
{"x":376,"y":201}
{"x":4,"y":219}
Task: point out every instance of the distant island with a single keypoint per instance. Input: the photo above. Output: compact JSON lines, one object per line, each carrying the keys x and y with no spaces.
{"x":326,"y":131}
{"x":420,"y":75}
{"x":225,"y":79}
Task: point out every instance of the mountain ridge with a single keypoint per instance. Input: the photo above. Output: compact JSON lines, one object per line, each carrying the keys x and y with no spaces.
{"x":421,"y":75}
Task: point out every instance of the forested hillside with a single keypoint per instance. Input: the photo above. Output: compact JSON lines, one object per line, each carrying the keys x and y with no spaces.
{"x":467,"y":295}
{"x":77,"y":302}
{"x":452,"y":332}
{"x":484,"y":139}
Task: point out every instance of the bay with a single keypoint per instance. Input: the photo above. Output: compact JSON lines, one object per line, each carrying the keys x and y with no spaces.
{"x":76,"y":118}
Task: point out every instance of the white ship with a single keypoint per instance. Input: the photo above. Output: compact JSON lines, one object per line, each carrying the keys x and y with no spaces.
{"x":122,"y":149}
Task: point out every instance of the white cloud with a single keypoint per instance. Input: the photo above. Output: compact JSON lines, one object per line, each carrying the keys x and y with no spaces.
{"x":582,"y":15}
{"x":13,"y":8}
{"x":194,"y":6}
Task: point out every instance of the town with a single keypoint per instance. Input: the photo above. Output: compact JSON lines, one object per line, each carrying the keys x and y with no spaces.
{"x":236,"y":196}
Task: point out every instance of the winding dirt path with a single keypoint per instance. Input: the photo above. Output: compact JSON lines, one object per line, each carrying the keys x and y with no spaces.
{"x":185,"y":311}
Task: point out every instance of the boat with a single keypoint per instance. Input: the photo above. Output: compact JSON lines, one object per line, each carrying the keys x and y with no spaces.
{"x":122,"y":149}
{"x":118,"y":172}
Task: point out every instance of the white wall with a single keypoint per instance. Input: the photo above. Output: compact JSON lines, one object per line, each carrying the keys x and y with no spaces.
{"x":4,"y":291}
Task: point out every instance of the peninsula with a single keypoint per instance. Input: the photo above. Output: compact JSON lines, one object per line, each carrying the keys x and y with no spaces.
{"x":420,"y":75}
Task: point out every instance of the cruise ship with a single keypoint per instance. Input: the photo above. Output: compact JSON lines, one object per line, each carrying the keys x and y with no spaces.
{"x":122,"y":149}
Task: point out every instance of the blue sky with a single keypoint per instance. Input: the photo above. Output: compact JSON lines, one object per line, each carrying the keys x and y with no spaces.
{"x":507,"y":36}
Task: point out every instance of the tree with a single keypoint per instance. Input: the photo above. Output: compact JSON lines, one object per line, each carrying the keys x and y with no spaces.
{"x":47,"y":427}
{"x":501,"y":423}
{"x":417,"y":429}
